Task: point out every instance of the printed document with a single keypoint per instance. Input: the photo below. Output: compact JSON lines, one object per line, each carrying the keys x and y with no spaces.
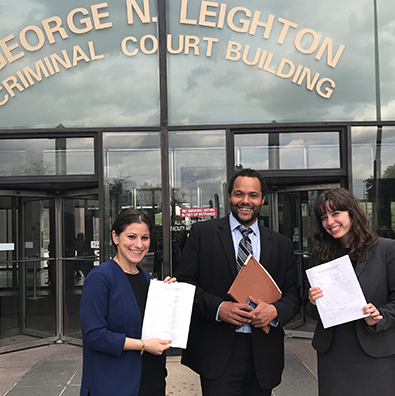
{"x":168,"y":312}
{"x":343,"y":298}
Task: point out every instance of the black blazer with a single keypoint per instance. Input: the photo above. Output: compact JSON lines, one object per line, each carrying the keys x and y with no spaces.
{"x":376,"y":276}
{"x":208,"y":261}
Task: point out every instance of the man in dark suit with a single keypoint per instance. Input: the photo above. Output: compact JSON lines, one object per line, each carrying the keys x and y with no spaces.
{"x":227,"y":346}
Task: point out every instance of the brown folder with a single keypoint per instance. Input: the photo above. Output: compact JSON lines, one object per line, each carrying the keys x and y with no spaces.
{"x":253,"y":280}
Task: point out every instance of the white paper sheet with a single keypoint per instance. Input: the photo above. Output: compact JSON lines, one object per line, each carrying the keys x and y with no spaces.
{"x":343,"y":298}
{"x":168,"y":312}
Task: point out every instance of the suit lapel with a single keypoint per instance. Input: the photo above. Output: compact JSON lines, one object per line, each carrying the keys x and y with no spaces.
{"x":266,"y":247}
{"x":227,"y":244}
{"x":225,"y":237}
{"x":361,"y":265}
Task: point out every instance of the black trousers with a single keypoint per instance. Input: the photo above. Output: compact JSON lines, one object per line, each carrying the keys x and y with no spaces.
{"x":239,"y":378}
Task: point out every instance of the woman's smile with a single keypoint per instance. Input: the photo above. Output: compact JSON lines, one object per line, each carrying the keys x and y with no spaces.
{"x":132,"y":244}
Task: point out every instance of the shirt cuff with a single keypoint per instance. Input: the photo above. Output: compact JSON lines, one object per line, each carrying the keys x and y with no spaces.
{"x":274,"y":322}
{"x":217,"y":318}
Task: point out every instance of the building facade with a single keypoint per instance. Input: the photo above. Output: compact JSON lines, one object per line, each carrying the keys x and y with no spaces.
{"x":153,"y":104}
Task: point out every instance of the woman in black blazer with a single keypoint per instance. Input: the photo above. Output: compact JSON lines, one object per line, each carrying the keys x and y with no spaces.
{"x":355,"y":358}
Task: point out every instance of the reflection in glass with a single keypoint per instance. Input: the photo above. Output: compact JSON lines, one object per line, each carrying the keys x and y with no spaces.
{"x":38,"y":270}
{"x":46,"y":157}
{"x":197,"y":180}
{"x":296,"y":221}
{"x":80,"y":254}
{"x":311,"y":150}
{"x":27,"y":270}
{"x":374,"y":176}
{"x":98,"y":81}
{"x":225,"y":69}
{"x":132,"y":169}
{"x":10,"y":323}
{"x":252,"y":151}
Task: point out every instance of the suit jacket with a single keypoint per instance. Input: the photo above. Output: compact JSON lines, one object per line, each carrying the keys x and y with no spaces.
{"x":208,"y":261}
{"x":109,"y":313}
{"x":376,"y":276}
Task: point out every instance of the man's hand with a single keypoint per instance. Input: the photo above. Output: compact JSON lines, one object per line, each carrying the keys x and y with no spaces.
{"x":235,"y":313}
{"x":264,"y":313}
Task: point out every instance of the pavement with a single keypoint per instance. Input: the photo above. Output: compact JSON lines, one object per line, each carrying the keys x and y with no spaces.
{"x":55,"y":370}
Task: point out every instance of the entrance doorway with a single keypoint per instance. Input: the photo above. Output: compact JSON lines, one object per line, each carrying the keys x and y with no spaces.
{"x":48,"y":244}
{"x":289,"y":211}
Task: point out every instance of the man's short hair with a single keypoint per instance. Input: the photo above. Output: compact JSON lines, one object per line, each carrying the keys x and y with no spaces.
{"x":248,"y":172}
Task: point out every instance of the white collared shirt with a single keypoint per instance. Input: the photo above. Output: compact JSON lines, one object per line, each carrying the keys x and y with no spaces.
{"x":255,"y":236}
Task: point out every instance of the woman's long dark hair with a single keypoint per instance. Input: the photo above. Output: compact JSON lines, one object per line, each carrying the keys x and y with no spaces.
{"x":362,"y":238}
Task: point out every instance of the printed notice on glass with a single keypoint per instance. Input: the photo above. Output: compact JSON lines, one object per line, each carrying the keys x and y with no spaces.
{"x":342,"y":299}
{"x":168,"y":312}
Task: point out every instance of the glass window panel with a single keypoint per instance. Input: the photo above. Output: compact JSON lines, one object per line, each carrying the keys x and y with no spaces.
{"x":27,"y":270}
{"x":9,"y":275}
{"x":309,"y":150}
{"x":80,"y":254}
{"x":39,"y":271}
{"x":132,"y":169}
{"x":386,"y":21}
{"x":96,"y":71}
{"x":252,"y":151}
{"x":316,"y":150}
{"x":46,"y":157}
{"x":198,"y":182}
{"x":224,"y":69}
{"x":79,"y":156}
{"x":374,"y":175}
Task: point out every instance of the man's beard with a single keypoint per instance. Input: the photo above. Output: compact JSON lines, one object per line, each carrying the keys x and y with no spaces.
{"x":254,"y":214}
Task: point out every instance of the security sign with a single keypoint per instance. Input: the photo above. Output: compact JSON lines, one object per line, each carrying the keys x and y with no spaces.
{"x":198,"y":212}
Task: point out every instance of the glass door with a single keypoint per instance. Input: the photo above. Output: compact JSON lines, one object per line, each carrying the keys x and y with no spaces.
{"x":27,"y":286}
{"x":80,"y":252}
{"x":10,"y":323}
{"x":290,"y":225}
{"x":292,"y":215}
{"x":48,"y":244}
{"x":38,"y":289}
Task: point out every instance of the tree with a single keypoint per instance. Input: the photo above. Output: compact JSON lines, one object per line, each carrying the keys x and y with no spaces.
{"x":389,"y":173}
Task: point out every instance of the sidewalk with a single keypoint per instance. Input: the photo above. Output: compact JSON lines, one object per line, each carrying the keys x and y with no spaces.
{"x":55,"y":370}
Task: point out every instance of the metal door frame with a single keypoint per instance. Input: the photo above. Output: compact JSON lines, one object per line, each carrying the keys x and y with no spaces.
{"x":19,"y":222}
{"x":273,"y":198}
{"x":61,"y":336}
{"x":274,"y":224}
{"x":18,"y":219}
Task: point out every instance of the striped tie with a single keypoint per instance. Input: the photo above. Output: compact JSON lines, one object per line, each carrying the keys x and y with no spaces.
{"x":245,"y":248}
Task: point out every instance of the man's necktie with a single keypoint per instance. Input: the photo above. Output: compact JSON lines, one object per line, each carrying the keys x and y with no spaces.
{"x":245,"y":248}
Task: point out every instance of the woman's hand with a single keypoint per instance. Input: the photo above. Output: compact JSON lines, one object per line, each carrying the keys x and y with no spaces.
{"x":169,"y":280}
{"x":374,"y":314}
{"x":156,"y":346}
{"x":314,"y":293}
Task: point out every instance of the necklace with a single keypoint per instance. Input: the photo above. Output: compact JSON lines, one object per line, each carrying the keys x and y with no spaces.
{"x":135,"y":271}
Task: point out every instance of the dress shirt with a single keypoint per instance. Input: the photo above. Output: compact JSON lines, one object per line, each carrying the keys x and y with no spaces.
{"x":255,"y":238}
